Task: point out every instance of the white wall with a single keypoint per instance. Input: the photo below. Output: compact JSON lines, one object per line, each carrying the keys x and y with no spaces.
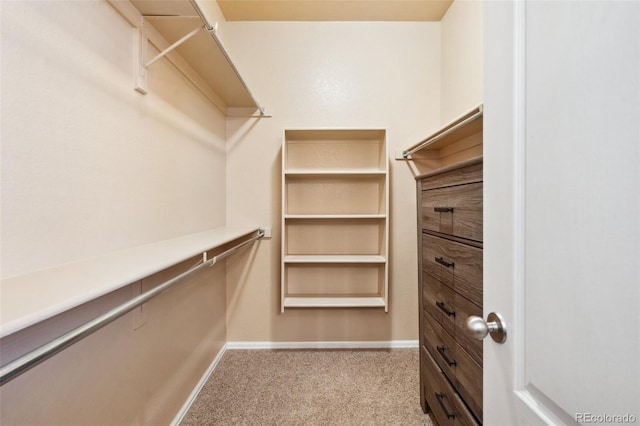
{"x":326,"y":75}
{"x":90,"y":166}
{"x":462,"y":70}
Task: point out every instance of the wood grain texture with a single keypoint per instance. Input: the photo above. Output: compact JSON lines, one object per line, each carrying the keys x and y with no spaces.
{"x":441,"y":346}
{"x":466,"y":172}
{"x":450,"y":227}
{"x":465,"y":219}
{"x":465,"y":276}
{"x":465,"y":309}
{"x":456,"y":364}
{"x":433,"y":292}
{"x":434,"y":382}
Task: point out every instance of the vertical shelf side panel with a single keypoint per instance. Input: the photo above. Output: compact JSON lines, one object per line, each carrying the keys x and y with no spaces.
{"x":283,"y":228}
{"x":385,"y":157}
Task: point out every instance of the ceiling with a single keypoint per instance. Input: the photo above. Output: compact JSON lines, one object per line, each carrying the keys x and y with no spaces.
{"x":334,"y":10}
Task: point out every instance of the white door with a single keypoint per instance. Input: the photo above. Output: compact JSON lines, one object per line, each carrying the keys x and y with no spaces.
{"x":562,"y":216}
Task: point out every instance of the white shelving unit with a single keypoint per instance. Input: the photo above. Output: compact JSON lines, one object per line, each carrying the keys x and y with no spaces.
{"x":335,"y":227}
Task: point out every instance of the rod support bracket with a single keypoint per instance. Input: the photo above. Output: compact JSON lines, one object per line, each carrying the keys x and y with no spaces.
{"x":402,"y":155}
{"x":212,"y":30}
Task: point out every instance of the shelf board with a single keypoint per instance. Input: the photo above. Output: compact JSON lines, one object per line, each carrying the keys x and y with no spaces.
{"x":336,"y":172}
{"x":313,"y":135}
{"x":311,"y":258}
{"x":207,"y":59}
{"x":335,"y":216}
{"x":334,"y":302}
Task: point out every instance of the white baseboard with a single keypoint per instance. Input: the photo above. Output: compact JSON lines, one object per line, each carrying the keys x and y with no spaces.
{"x":390,"y":344}
{"x":192,"y":397}
{"x":324,"y":345}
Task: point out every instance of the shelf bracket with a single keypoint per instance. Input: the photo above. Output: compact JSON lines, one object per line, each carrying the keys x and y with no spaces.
{"x":140,"y":43}
{"x":141,"y":48}
{"x":173,"y":46}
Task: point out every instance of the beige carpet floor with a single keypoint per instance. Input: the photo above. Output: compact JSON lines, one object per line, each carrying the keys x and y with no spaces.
{"x":311,"y":387}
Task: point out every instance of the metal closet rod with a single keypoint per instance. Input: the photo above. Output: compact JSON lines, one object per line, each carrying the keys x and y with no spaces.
{"x":212,"y":30}
{"x":29,"y":360}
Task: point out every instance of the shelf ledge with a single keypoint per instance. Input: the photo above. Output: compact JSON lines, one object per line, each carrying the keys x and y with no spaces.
{"x":336,"y":216}
{"x":334,"y":302}
{"x":334,"y":172}
{"x":334,"y":259}
{"x":37,"y":296}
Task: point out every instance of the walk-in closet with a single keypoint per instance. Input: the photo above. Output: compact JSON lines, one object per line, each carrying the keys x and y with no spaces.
{"x":319,"y":212}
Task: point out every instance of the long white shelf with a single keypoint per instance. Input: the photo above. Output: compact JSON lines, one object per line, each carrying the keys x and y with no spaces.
{"x":335,"y":216}
{"x":334,"y":302}
{"x":334,"y":259}
{"x":34,"y":297}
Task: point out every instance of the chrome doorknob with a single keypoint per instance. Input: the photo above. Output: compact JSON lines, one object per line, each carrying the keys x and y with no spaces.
{"x":495,"y":326}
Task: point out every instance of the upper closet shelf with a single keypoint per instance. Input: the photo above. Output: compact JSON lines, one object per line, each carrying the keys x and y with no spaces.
{"x":462,"y":128}
{"x":181,"y":33}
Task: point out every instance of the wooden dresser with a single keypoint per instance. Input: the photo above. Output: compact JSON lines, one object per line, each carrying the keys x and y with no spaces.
{"x":450,"y":290}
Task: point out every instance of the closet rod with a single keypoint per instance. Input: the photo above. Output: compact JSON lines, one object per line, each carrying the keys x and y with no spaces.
{"x":461,"y":122}
{"x":213,"y":31}
{"x":29,"y":360}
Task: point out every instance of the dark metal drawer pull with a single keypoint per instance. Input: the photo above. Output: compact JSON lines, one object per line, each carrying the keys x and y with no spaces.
{"x":443,"y":209}
{"x":446,"y":310}
{"x":443,"y":262}
{"x":440,"y":397}
{"x":445,"y":357}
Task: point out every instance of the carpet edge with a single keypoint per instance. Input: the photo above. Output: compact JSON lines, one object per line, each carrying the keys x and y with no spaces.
{"x":196,"y":390}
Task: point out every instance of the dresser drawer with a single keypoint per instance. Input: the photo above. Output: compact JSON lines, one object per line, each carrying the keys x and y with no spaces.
{"x":456,"y":265}
{"x":439,"y":301}
{"x":451,"y":310}
{"x":455,"y":362}
{"x":454,"y":210}
{"x":458,"y":176}
{"x":445,"y":404}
